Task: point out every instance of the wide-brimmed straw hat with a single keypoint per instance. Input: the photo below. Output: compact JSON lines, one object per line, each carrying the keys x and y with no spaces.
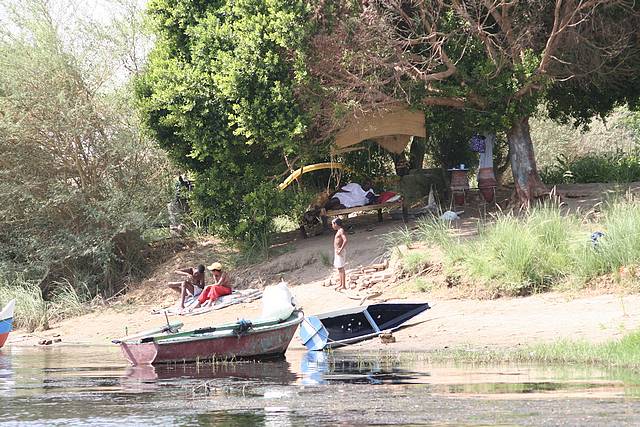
{"x":215,"y":266}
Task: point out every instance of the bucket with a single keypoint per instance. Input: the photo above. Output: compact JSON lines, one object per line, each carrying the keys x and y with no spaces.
{"x":487,"y":183}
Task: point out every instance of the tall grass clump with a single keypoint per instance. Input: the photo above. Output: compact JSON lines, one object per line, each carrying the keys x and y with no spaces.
{"x":518,"y":255}
{"x":32,"y":311}
{"x":525,"y":254}
{"x":435,"y":231}
{"x":400,"y":236}
{"x":620,"y":245}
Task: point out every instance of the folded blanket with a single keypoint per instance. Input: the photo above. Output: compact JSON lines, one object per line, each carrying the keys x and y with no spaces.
{"x":236,"y":297}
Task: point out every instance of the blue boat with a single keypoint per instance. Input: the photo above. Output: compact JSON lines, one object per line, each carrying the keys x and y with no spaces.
{"x":6,"y":321}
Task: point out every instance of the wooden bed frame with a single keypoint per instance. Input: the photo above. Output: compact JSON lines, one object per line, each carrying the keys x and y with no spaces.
{"x":325,"y":214}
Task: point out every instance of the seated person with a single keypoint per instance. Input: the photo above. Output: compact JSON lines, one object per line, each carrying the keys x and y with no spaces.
{"x":192,"y":285}
{"x":221,"y":287}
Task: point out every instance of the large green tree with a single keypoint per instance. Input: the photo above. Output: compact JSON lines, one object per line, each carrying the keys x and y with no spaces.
{"x":219,"y":94}
{"x":494,"y":60}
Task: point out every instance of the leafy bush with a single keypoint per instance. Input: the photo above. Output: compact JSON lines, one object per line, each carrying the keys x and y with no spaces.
{"x":78,"y":181}
{"x":615,"y":166}
{"x":219,"y":96}
{"x":620,"y":246}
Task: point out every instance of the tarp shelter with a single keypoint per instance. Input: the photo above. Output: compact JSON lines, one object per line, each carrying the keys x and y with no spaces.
{"x":392,"y":129}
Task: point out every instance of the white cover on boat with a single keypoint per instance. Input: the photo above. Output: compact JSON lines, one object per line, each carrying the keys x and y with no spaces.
{"x":7,"y":312}
{"x":277,"y":302}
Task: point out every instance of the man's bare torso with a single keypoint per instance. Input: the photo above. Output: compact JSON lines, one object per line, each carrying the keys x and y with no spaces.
{"x":338,"y":241}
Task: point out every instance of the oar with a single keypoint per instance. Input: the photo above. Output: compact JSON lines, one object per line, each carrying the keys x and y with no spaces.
{"x":169,"y":327}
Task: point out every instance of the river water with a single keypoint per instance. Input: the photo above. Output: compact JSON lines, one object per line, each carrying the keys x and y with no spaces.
{"x":80,"y":385}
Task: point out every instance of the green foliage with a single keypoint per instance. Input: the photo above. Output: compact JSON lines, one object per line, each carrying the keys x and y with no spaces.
{"x":398,"y":236}
{"x":432,"y":230}
{"x":624,"y":352}
{"x":219,"y":95}
{"x":414,"y":262}
{"x":75,"y":173}
{"x":33,"y":311}
{"x":371,"y":163}
{"x":615,"y":166}
{"x":544,"y":248}
{"x":522,"y":255}
{"x":619,"y":247}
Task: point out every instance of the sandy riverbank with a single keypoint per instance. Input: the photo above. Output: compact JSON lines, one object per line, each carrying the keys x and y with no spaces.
{"x":450,"y":323}
{"x":305,"y":263}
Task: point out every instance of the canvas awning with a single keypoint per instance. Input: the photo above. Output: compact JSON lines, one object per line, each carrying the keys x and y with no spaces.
{"x":391,"y":129}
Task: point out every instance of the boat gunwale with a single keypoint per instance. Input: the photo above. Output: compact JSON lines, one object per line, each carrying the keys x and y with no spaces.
{"x":360,"y":309}
{"x":227,"y":329}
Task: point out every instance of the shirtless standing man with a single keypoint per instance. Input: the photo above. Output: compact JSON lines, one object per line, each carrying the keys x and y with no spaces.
{"x":339,"y":245}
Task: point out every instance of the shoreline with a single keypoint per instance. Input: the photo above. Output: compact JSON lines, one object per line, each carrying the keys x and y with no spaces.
{"x":450,"y":324}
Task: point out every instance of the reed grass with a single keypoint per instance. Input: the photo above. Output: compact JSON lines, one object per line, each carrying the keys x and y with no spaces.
{"x":397,"y":237}
{"x":32,"y":311}
{"x":621,"y":244}
{"x":534,"y":252}
{"x":621,"y":353}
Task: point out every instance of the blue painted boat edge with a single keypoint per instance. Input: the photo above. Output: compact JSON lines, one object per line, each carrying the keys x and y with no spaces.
{"x":5,"y":325}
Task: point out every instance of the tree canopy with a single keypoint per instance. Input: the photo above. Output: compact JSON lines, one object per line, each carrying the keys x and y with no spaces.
{"x":76,"y":175}
{"x":219,"y":94}
{"x":495,"y":60}
{"x":237,"y":91}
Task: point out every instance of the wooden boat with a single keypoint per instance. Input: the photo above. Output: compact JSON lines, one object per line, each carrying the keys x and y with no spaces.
{"x":348,"y":326}
{"x":240,"y":340}
{"x":6,"y":321}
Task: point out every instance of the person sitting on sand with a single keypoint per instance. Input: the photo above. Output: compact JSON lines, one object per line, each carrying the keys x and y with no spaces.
{"x":221,"y":287}
{"x":192,"y":285}
{"x":339,"y":245}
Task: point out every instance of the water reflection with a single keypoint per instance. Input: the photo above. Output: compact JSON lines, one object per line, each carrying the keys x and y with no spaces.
{"x":275,"y":371}
{"x":313,"y":367}
{"x":319,"y":367}
{"x":7,"y":383}
{"x":69,"y":385}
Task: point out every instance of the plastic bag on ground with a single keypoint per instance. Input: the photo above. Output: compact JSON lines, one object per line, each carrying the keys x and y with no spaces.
{"x":449,"y":216}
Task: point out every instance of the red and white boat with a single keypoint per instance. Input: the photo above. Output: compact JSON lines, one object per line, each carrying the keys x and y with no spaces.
{"x":6,"y":321}
{"x":240,"y":340}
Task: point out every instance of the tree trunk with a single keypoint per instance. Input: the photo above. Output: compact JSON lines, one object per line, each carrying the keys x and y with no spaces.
{"x":417,"y":152}
{"x":528,"y":184}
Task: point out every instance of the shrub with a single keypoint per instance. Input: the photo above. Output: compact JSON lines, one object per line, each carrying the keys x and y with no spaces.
{"x":620,"y":245}
{"x":515,"y":255}
{"x":617,"y":166}
{"x":76,"y":175}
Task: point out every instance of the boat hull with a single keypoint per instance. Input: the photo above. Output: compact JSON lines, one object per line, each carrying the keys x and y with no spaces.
{"x":6,"y":321}
{"x":271,"y":342}
{"x":349,"y":326}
